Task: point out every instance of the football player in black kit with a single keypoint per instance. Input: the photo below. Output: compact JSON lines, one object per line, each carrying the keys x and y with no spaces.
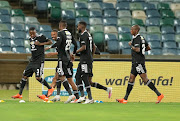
{"x":36,"y":63}
{"x":65,"y":65}
{"x":138,"y":46}
{"x":56,"y":81}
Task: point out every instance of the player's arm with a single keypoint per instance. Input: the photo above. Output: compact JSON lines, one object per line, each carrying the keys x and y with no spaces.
{"x":43,"y":41}
{"x":53,"y":46}
{"x":94,"y":49}
{"x":75,"y":45}
{"x":83,"y":47}
{"x":148,"y":47}
{"x":135,"y":48}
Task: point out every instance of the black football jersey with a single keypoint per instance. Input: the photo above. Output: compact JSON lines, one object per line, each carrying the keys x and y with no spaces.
{"x":139,"y":41}
{"x":86,"y":55}
{"x":36,"y":50}
{"x":64,"y":44}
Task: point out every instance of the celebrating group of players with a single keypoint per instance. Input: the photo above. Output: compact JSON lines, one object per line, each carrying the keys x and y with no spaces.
{"x":64,"y":69}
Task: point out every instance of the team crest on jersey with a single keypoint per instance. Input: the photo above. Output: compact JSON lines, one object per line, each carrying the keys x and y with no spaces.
{"x":32,"y":42}
{"x":142,"y":38}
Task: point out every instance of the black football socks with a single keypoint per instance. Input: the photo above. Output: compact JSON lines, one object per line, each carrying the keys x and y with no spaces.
{"x":129,"y":88}
{"x":66,"y":86}
{"x":98,"y":86}
{"x":58,"y":84}
{"x":151,"y":86}
{"x":23,"y":83}
{"x":44,"y":82}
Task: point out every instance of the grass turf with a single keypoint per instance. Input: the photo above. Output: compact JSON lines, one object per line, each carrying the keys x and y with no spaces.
{"x":12,"y":110}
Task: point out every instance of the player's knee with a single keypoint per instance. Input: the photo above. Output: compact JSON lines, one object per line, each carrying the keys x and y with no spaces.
{"x":38,"y":78}
{"x":131,"y":80}
{"x":24,"y":77}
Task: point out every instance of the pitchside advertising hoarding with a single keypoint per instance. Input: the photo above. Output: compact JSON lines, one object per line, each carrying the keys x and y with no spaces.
{"x":115,"y":74}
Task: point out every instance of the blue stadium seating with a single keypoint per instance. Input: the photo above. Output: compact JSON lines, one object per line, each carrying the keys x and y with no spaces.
{"x":5,"y":35}
{"x":46,"y":34}
{"x":169,"y":51}
{"x":28,"y":26}
{"x":86,"y":19}
{"x":149,"y":6}
{"x":177,"y":29}
{"x":5,"y":19}
{"x":17,"y":27}
{"x":122,"y":6}
{"x":153,"y":14}
{"x":155,"y":44}
{"x":176,"y":22}
{"x":110,"y":13}
{"x":45,"y":28}
{"x":95,"y":13}
{"x":4,"y":12}
{"x":171,"y":45}
{"x":113,"y":47}
{"x":95,"y":21}
{"x":153,"y":22}
{"x":110,"y":37}
{"x":17,"y":43}
{"x":41,"y":5}
{"x":68,"y":15}
{"x":153,"y":37}
{"x":18,"y":50}
{"x":5,"y":49}
{"x":126,"y":51}
{"x":107,"y":6}
{"x":167,"y":30}
{"x":5,"y":42}
{"x":110,"y":21}
{"x":155,"y":52}
{"x":18,"y":35}
{"x":80,"y":5}
{"x":124,"y":29}
{"x":168,"y":37}
{"x":124,"y":45}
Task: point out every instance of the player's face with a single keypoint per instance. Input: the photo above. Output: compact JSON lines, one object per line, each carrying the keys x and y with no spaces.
{"x":32,"y":34}
{"x":54,"y":35}
{"x":61,"y":26}
{"x":133,"y":31}
{"x":79,"y":28}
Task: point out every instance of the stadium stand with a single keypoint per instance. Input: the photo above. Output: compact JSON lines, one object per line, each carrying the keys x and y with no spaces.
{"x":108,"y":21}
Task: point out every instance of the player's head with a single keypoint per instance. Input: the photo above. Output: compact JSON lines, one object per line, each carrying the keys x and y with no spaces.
{"x":32,"y":32}
{"x":54,"y":34}
{"x":81,"y":26}
{"x":62,"y":25}
{"x":135,"y":29}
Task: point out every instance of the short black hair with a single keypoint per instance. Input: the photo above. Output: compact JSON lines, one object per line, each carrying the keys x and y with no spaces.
{"x":32,"y":28}
{"x":83,"y":23}
{"x":63,"y":22}
{"x":54,"y":30}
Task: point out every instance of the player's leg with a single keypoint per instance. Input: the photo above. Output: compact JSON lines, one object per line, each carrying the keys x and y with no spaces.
{"x":28,"y":72}
{"x":99,"y":86}
{"x":151,"y":86}
{"x":58,"y":83}
{"x":79,"y":80}
{"x":86,"y":70}
{"x":130,"y":85}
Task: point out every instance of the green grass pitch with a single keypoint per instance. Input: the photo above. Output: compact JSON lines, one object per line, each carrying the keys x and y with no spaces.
{"x":12,"y":110}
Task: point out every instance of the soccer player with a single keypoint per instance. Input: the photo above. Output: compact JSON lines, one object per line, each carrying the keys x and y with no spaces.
{"x":85,"y":66}
{"x":56,"y":81}
{"x":138,"y":46}
{"x":36,"y":63}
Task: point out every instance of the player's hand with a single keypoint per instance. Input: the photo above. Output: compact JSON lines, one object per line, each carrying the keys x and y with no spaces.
{"x":49,"y":54}
{"x":72,"y":56}
{"x":47,"y":48}
{"x":37,"y":43}
{"x":130,"y":43}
